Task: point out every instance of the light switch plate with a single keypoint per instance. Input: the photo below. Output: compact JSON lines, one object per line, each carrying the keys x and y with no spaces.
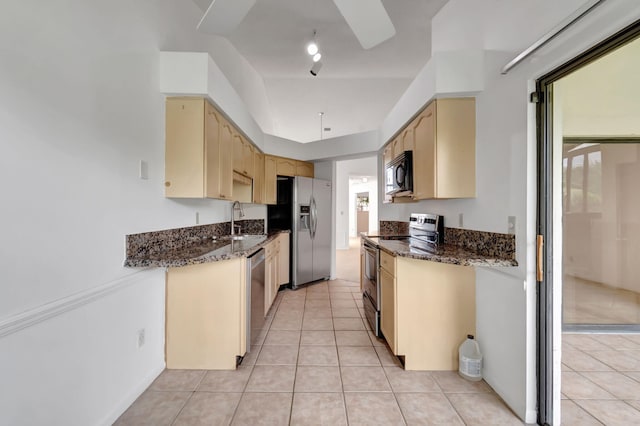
{"x":143,"y":172}
{"x":511,"y":225}
{"x":460,"y":220}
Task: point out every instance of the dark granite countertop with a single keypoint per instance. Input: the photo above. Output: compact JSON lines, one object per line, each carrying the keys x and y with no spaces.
{"x":205,"y":250}
{"x":445,"y":253}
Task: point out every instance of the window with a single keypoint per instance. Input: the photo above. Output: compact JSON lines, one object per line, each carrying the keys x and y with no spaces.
{"x":582,"y":178}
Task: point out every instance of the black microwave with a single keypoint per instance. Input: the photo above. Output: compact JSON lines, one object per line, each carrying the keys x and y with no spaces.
{"x":399,"y":174}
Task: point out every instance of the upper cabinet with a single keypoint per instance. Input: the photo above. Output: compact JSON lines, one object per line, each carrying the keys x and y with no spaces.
{"x":443,"y":140}
{"x":304,"y":168}
{"x":197,"y":156}
{"x":207,"y":157}
{"x":286,"y":166}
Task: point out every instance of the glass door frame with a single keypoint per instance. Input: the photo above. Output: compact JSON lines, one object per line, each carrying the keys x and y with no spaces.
{"x":545,"y":210}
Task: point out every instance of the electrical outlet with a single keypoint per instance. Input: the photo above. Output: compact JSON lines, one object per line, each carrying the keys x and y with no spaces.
{"x":197,"y":218}
{"x":460,"y":220}
{"x":511,"y":225}
{"x":141,"y":337}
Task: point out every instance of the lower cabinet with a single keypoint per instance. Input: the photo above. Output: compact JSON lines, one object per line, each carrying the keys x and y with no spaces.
{"x":427,"y":310}
{"x":284,"y":255}
{"x":270,"y":273}
{"x":206,"y":315}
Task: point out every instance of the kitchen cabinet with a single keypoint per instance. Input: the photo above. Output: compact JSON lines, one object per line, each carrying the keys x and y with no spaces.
{"x":284,"y":259}
{"x":270,"y":179}
{"x":426,"y":310}
{"x":388,"y":299}
{"x":397,"y":146}
{"x":271,"y":263}
{"x":197,"y":159}
{"x":198,"y":154}
{"x":407,"y":139}
{"x":206,"y":315}
{"x":304,"y":168}
{"x":258,"y":179}
{"x":387,"y":154}
{"x":444,"y":155}
{"x":243,"y":152}
{"x":286,"y":166}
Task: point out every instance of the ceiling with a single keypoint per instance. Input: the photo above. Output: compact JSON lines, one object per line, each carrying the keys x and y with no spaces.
{"x":355,"y":88}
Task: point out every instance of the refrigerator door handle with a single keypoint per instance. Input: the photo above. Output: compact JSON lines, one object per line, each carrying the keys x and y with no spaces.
{"x":314,"y":217}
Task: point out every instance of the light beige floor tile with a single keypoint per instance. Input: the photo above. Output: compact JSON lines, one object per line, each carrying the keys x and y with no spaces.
{"x":318,"y":409}
{"x":402,"y":380}
{"x":339,"y":289}
{"x":345,"y":313}
{"x":346,"y":295}
{"x":581,"y":361}
{"x":317,"y":324}
{"x":612,"y":413}
{"x":373,"y":408}
{"x":317,"y":313}
{"x":576,"y":386}
{"x":635,"y":403}
{"x":282,"y":337}
{"x":263,"y":409}
{"x":318,"y":337}
{"x":317,"y":303}
{"x":343,"y":303}
{"x":573,"y":415}
{"x":358,"y":356}
{"x":451,"y":382}
{"x":226,"y":380}
{"x":632,"y":337}
{"x":208,"y":409}
{"x":376,"y":341}
{"x":635,"y":375}
{"x":154,"y":409}
{"x":278,"y":355}
{"x":177,"y":380}
{"x":617,"y":384}
{"x":359,"y":303}
{"x":271,"y":378}
{"x":583,"y":342}
{"x":386,"y":356}
{"x":348,"y":324}
{"x":364,"y":379}
{"x":616,"y":342}
{"x":482,"y":409}
{"x":287,"y":324}
{"x":427,"y":409}
{"x":318,"y":295}
{"x":251,"y":356}
{"x":566,"y":368}
{"x":318,"y":355}
{"x":618,"y":360}
{"x":318,"y":379}
{"x":352,"y":338}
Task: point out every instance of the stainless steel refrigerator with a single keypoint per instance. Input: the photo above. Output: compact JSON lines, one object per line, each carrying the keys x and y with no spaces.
{"x":304,"y":207}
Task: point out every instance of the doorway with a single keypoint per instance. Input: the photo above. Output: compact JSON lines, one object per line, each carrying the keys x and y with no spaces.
{"x":589,"y":215}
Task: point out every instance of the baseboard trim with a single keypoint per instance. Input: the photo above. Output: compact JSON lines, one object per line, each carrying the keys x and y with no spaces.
{"x":132,"y":396}
{"x":49,"y":310}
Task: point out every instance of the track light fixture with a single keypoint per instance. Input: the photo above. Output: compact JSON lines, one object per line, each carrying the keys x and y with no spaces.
{"x":314,"y":52}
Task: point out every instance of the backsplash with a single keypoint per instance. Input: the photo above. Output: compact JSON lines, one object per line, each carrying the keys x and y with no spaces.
{"x":151,"y":243}
{"x":394,"y":227}
{"x":486,"y":243}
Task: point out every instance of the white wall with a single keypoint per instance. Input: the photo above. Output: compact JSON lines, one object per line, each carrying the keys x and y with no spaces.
{"x":80,"y":107}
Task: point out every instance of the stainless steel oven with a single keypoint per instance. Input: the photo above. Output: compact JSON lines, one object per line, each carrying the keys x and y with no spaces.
{"x":370,"y":286}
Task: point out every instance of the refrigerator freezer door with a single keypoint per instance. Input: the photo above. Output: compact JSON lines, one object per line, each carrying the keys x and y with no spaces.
{"x":303,"y":245}
{"x":322,"y":229}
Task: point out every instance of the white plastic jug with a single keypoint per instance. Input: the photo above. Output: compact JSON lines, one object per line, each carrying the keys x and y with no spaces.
{"x":470,"y":360}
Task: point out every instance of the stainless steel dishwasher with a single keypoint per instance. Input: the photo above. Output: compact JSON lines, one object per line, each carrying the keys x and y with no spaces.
{"x":255,"y":297}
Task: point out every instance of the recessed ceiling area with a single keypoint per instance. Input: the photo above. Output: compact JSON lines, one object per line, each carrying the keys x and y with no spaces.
{"x":355,"y":88}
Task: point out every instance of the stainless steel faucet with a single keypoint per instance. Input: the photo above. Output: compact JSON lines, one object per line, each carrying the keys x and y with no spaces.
{"x":234,"y":206}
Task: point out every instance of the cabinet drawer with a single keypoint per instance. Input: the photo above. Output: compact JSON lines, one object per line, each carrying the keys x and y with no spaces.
{"x":388,"y":262}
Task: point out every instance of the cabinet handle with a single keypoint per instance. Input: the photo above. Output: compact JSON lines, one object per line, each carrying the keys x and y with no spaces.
{"x":167,"y":184}
{"x":539,"y":254}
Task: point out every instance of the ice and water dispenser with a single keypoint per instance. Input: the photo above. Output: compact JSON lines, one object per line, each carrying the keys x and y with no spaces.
{"x":304,"y":216}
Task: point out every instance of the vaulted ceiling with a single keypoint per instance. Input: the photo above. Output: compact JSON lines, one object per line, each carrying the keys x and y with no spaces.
{"x":355,"y":88}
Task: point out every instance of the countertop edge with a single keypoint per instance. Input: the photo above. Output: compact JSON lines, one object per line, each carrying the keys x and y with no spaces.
{"x":177,"y":263}
{"x":473,"y":259}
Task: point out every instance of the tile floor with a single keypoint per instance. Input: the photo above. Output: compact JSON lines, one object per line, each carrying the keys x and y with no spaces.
{"x":600,"y":379}
{"x":317,"y":363}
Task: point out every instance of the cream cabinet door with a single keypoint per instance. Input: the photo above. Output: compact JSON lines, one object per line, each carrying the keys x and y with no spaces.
{"x":424,"y":154}
{"x":226,"y":160}
{"x":286,"y":166}
{"x":388,"y":308}
{"x":284,"y":260}
{"x":270,"y":179}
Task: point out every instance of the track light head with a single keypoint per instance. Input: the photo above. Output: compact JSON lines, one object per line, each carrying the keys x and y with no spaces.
{"x":312,"y":48}
{"x":315,"y":68}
